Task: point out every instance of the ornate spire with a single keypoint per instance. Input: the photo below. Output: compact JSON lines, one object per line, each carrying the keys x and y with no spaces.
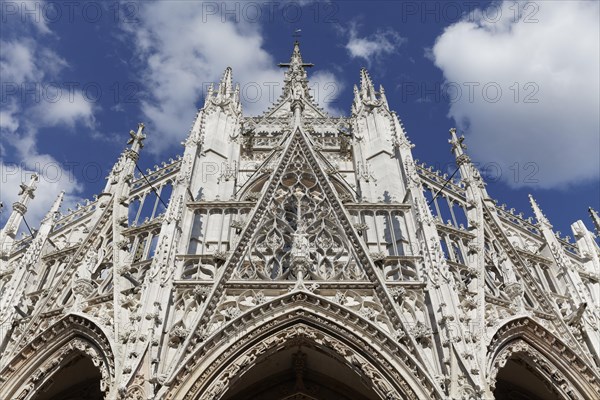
{"x":357,"y":101}
{"x":356,"y":95}
{"x":26,"y":193}
{"x":225,"y":95}
{"x":296,"y":58}
{"x":366,"y":94}
{"x":382,"y":96}
{"x":55,"y":207}
{"x":209,"y":94}
{"x":128,"y":157}
{"x":226,"y":85}
{"x":367,"y":89}
{"x":8,"y":233}
{"x":469,"y":173}
{"x":595,"y":219}
{"x":539,"y":215}
{"x":236,"y":94}
{"x":295,"y":81}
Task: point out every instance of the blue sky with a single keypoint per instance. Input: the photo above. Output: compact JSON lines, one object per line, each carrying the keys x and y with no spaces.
{"x":518,"y":79}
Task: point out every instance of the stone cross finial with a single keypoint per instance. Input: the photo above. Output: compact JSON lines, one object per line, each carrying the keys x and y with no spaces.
{"x":28,"y":190}
{"x":457,"y":142}
{"x":137,"y":138}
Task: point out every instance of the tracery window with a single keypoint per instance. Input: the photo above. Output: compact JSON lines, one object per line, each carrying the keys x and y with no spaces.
{"x":299,"y":224}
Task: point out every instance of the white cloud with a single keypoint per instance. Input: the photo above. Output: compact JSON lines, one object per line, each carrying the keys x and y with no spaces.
{"x":182,"y":50}
{"x":8,"y":117}
{"x":37,"y":13}
{"x":554,"y":61}
{"x":325,"y":89}
{"x":16,"y":61}
{"x":382,"y":42}
{"x":68,"y":110}
{"x":25,"y":61}
{"x":53,"y":177}
{"x":24,"y":64}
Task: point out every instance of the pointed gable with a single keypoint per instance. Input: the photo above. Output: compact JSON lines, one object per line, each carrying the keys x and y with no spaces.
{"x":300,"y":225}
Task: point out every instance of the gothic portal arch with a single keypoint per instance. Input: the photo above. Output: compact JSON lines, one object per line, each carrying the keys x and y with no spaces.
{"x":343,"y":354}
{"x":71,"y":359}
{"x":528,"y":360}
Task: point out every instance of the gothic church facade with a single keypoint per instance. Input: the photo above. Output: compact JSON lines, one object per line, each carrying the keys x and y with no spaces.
{"x":295,"y":255}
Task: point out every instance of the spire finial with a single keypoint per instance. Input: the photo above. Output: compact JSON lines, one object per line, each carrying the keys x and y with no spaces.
{"x":209,"y":94}
{"x":227,"y":96}
{"x":539,"y":215}
{"x":26,"y":193}
{"x":236,"y":97}
{"x":367,"y":89}
{"x":59,"y":199}
{"x":457,"y":143}
{"x":137,"y":138}
{"x":28,"y":190}
{"x":296,"y":83}
{"x":55,"y":207}
{"x":383,"y":97}
{"x":469,"y":173}
{"x":357,"y":101}
{"x":595,"y":219}
{"x":296,"y":59}
{"x":296,"y":62}
{"x":226,"y":85}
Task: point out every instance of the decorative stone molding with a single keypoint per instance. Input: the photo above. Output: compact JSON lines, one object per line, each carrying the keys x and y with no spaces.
{"x":546,"y":354}
{"x":44,"y":354}
{"x":245,"y":323}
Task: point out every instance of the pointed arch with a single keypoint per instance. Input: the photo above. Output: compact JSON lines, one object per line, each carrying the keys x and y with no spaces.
{"x":545,"y":355}
{"x":44,"y":355}
{"x":300,"y":317}
{"x":254,"y":185}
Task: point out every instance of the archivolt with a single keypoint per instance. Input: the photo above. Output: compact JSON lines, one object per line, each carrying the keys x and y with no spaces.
{"x":554,"y":361}
{"x":46,"y":353}
{"x":301,"y":316}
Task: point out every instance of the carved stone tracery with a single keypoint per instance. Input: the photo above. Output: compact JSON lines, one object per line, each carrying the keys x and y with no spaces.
{"x":46,"y":353}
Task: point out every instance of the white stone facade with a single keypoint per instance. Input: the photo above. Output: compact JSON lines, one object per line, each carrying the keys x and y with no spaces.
{"x":300,"y":256}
